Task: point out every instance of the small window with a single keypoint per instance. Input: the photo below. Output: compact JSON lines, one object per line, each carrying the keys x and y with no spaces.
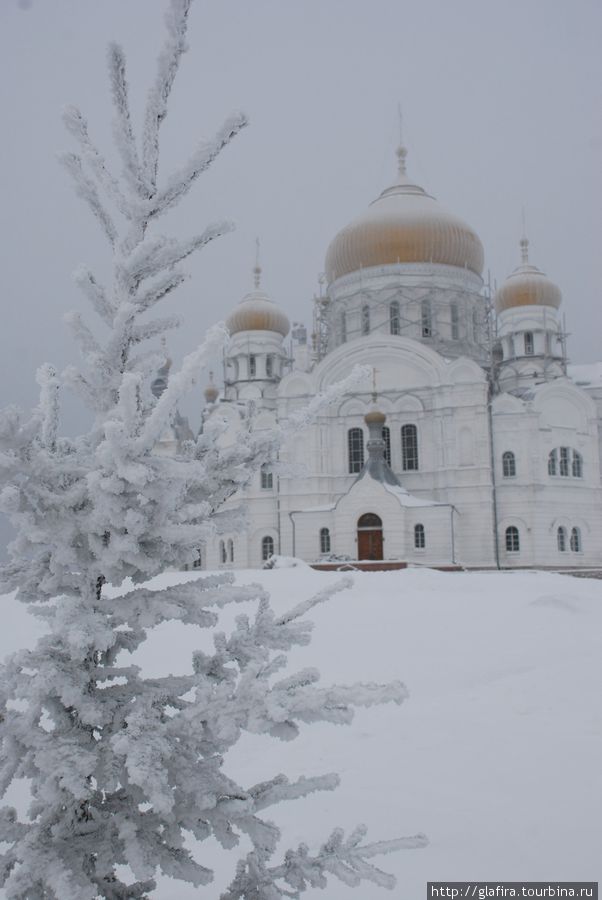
{"x":552,"y":462}
{"x":576,"y":540}
{"x":512,"y":539}
{"x":394,"y":323}
{"x":387,"y":442}
{"x":365,"y":320}
{"x":577,"y":466}
{"x":564,"y":462}
{"x":508,"y":464}
{"x":355,"y":450}
{"x":198,"y":561}
{"x":267,"y":547}
{"x":343,"y":327}
{"x":455,"y":322}
{"x":324,"y":540}
{"x":222,"y":552}
{"x":252,"y":366}
{"x":426,"y":318}
{"x":231,"y":550}
{"x":528,"y":343}
{"x":561,"y":538}
{"x":269,"y":365}
{"x":409,"y":448}
{"x":267,"y":479}
{"x":419,"y":537}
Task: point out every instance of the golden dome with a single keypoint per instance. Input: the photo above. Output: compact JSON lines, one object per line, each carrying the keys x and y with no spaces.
{"x":256,"y":311}
{"x":404,"y":225}
{"x":375,"y":417}
{"x":527,"y":286}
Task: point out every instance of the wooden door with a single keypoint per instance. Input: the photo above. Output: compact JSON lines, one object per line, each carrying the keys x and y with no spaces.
{"x":370,"y":544}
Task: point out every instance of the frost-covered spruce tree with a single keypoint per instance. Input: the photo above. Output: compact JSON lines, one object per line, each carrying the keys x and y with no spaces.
{"x":124,"y":769}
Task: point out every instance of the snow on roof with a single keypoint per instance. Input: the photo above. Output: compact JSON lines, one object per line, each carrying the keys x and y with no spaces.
{"x":407,"y":499}
{"x":590,"y":374}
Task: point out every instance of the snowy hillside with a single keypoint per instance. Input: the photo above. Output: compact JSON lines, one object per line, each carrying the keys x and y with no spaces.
{"x":496,"y":756}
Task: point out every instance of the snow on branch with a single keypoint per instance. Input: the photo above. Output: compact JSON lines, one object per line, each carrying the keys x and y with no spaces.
{"x":156,"y":254}
{"x":168,"y":64}
{"x":179,"y":384}
{"x":86,"y":189}
{"x":180,"y":183}
{"x":95,"y":293}
{"x":122,"y":124}
{"x":78,"y":127}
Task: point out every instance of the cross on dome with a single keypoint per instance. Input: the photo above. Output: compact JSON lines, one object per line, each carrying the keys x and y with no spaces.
{"x":257,"y":267}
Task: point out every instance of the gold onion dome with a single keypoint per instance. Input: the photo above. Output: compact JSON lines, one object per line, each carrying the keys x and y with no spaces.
{"x":257,"y":312}
{"x":375,"y":417}
{"x":404,"y":225}
{"x":527,"y":286}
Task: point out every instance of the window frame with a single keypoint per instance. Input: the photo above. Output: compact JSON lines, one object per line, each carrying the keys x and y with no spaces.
{"x":325,"y":542}
{"x":561,"y":541}
{"x":410,"y":459}
{"x":426,"y":319}
{"x":355,"y":450}
{"x":266,"y":479}
{"x":575,"y":540}
{"x":508,"y":464}
{"x":252,"y":365}
{"x":267,"y":542}
{"x":529,"y":343}
{"x":365,"y":319}
{"x":419,"y":536}
{"x":454,"y":322}
{"x":512,"y":539}
{"x":394,"y":317}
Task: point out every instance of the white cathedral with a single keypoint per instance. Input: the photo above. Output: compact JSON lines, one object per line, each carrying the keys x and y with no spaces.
{"x":471,"y":445}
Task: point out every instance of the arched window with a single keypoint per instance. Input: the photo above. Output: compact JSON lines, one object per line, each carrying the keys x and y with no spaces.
{"x":231,"y":550}
{"x":419,"y":537}
{"x":426,"y":318}
{"x":267,"y":479}
{"x":561,"y":538}
{"x":512,"y":539}
{"x":577,"y":466}
{"x":324,"y":540}
{"x":269,"y":365}
{"x":508,"y":464}
{"x":252,"y":366}
{"x":355,"y":449}
{"x":387,"y":440}
{"x":267,"y":547}
{"x":198,"y":562}
{"x":409,"y":448}
{"x":394,"y":322}
{"x":552,"y":462}
{"x":343,"y":327}
{"x":222,"y":552}
{"x":369,"y":521}
{"x":563,"y":468}
{"x":576,"y":540}
{"x":365,"y":319}
{"x":528,"y":343}
{"x":455,"y":322}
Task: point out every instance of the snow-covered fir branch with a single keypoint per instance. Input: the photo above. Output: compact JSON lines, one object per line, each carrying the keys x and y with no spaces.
{"x":123,"y":768}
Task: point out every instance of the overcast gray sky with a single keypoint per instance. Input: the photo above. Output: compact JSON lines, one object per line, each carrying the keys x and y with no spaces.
{"x":501,"y":102}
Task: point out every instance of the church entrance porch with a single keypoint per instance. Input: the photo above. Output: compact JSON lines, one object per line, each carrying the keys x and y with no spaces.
{"x":370,"y":537}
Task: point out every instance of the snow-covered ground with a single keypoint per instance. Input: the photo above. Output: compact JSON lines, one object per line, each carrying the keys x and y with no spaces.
{"x":496,"y":755}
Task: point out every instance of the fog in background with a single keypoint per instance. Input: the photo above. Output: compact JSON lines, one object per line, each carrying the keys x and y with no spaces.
{"x":501,"y":109}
